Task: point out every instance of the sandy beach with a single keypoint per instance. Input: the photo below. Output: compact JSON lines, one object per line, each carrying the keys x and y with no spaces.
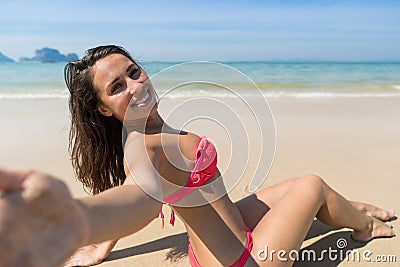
{"x":353,"y":143}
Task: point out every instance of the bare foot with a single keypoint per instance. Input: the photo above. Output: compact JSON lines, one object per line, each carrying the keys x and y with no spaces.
{"x":373,"y":211}
{"x":376,"y":228}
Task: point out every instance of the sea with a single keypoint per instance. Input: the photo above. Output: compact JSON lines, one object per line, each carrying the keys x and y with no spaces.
{"x":271,"y":79}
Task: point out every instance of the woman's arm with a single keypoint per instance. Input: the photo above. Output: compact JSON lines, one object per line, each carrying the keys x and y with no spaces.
{"x":42,"y":225}
{"x":126,"y":209}
{"x":95,"y":254}
{"x":118,"y":212}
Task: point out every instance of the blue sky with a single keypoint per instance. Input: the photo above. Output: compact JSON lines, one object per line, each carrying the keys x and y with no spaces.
{"x":206,"y":30}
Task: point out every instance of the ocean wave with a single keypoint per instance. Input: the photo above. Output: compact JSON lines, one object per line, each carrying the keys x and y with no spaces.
{"x":279,"y":94}
{"x":33,"y":96}
{"x":184,"y":94}
{"x":330,"y":95}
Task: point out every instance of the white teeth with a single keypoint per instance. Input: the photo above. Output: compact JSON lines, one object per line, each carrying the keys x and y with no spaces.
{"x":143,"y":99}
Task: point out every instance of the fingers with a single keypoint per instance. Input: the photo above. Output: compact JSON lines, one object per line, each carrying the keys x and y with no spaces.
{"x":76,"y":260}
{"x":84,"y":256}
{"x":37,"y":185}
{"x":72,"y":262}
{"x":11,"y":180}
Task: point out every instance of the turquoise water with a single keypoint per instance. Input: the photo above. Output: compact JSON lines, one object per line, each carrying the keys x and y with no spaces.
{"x":275,"y":79}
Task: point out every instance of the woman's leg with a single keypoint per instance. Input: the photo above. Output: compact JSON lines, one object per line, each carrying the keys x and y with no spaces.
{"x":254,"y":207}
{"x":286,"y":224}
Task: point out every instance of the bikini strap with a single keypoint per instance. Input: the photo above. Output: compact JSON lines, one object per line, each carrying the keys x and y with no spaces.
{"x":171,"y":218}
{"x":161,"y":214}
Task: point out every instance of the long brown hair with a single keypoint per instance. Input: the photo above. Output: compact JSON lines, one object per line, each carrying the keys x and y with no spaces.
{"x":95,"y":141}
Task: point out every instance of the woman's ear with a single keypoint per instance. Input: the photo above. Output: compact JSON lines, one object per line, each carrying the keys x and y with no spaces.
{"x":105,"y":111}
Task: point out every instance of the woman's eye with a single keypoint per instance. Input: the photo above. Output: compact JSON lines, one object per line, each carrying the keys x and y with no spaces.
{"x":116,"y":87}
{"x":134,"y":74}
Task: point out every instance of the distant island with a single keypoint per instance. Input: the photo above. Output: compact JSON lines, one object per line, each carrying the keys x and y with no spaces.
{"x":49,"y":55}
{"x":3,"y":58}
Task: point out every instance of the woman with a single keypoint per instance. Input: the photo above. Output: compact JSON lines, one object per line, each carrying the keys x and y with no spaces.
{"x":107,"y":87}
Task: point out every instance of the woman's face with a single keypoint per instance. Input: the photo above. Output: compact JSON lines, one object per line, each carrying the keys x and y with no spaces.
{"x":121,"y":84}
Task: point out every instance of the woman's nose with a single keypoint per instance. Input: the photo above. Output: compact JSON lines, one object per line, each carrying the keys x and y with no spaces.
{"x":134,"y":87}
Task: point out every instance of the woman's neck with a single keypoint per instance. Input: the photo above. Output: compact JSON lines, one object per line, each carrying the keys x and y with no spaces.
{"x":151,"y":125}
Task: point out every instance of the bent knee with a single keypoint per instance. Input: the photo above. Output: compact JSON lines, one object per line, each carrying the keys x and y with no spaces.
{"x":292,"y":180}
{"x":313,"y":181}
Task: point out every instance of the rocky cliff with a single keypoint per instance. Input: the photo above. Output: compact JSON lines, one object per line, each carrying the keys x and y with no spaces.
{"x":3,"y":58}
{"x":49,"y":55}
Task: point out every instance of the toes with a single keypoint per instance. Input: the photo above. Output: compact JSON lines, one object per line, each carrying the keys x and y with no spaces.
{"x":389,"y":224}
{"x":391,"y":213}
{"x":381,"y":214}
{"x":380,"y":229}
{"x":388,"y":215}
{"x":389,"y":232}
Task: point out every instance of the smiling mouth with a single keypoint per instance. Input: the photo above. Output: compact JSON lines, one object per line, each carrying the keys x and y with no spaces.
{"x":142,"y":101}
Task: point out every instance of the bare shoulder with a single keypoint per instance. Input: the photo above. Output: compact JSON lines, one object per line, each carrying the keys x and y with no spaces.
{"x":139,"y":165}
{"x":137,"y":153}
{"x":188,"y":144}
{"x":134,"y":147}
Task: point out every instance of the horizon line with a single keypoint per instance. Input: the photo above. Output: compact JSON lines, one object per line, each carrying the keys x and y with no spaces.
{"x":247,"y":61}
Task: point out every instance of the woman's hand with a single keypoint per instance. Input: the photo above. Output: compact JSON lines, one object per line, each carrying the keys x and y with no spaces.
{"x":40,"y":223}
{"x":86,"y":256}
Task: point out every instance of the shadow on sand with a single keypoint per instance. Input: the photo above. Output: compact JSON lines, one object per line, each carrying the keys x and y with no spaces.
{"x":178,"y":247}
{"x":176,"y":243}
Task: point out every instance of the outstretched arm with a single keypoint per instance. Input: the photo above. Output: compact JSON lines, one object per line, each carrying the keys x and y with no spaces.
{"x":124,"y":209}
{"x":96,"y":253}
{"x":42,"y":225}
{"x":112,"y":214}
{"x":118,"y":212}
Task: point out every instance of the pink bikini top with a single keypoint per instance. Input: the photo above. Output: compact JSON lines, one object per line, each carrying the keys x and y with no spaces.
{"x":204,"y":168}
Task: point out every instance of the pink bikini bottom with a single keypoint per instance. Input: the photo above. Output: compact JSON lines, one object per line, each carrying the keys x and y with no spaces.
{"x":239,"y":263}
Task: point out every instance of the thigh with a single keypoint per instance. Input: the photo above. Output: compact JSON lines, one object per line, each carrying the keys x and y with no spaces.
{"x":286,"y":224}
{"x":255,"y":206}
